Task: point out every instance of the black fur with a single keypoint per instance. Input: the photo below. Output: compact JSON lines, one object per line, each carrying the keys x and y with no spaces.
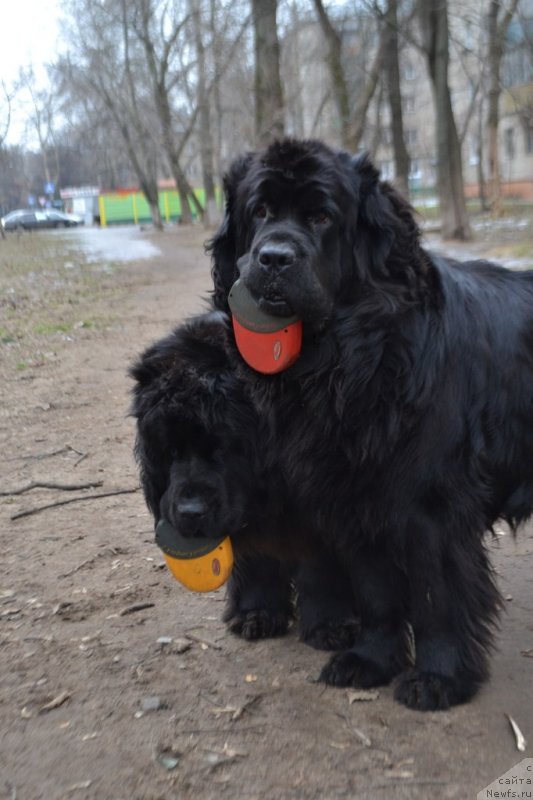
{"x":405,"y":429}
{"x":202,"y":451}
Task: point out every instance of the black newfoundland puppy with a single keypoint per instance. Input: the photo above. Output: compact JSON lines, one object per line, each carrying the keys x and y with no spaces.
{"x":405,"y":429}
{"x":207,"y":466}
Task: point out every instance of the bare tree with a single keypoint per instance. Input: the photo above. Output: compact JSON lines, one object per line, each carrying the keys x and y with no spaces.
{"x":5,"y":101}
{"x":43,"y":120}
{"x":204,"y":119}
{"x":161,"y":39}
{"x":352,"y":114}
{"x":98,"y":72}
{"x":433,"y":15}
{"x":392,"y":68}
{"x":269,"y":105}
{"x":5,"y":112}
{"x":499,"y":18}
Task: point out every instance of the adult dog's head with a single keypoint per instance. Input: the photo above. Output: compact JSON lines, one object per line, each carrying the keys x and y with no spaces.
{"x":307,"y":228}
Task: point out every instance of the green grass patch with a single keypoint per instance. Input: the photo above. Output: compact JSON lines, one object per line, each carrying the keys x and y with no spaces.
{"x":47,"y":328}
{"x":48,"y":289}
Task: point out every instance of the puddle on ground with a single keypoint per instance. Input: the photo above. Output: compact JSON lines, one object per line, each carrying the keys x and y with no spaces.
{"x":113,"y":244}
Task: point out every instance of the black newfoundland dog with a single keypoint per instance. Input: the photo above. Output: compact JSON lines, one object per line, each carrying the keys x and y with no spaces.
{"x":207,"y":466}
{"x":405,"y":428}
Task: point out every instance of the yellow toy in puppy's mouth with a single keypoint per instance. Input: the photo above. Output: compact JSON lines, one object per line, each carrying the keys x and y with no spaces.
{"x":200,"y":564}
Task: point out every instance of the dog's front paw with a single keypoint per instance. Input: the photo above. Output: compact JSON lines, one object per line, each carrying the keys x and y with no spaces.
{"x":428,"y":691}
{"x":259,"y":624}
{"x":351,"y":669}
{"x":331,"y":635}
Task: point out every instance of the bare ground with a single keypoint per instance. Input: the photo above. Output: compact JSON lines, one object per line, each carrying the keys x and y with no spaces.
{"x":92,"y":706}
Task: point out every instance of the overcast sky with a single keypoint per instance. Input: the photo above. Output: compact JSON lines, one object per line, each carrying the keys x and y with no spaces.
{"x":28,"y":35}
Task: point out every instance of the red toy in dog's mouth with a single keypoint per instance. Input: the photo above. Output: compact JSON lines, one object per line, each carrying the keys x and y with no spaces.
{"x":268,"y":343}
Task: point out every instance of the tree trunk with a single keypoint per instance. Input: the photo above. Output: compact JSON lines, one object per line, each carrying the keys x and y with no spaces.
{"x":480,"y":156}
{"x":339,"y":84}
{"x":351,"y":123}
{"x":497,"y":31}
{"x":454,"y":217}
{"x":151,"y":192}
{"x":493,"y":115}
{"x":147,"y":183}
{"x":146,"y":175}
{"x":392,"y":67}
{"x":206,"y":140}
{"x":158,"y":76}
{"x":269,"y":106}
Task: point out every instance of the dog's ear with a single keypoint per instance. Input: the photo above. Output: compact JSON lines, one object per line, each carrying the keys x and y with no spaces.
{"x":386,"y":234}
{"x":375,"y":225}
{"x":223,"y":245}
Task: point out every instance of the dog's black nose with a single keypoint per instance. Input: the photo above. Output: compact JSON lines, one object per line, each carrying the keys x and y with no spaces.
{"x":191,"y":507}
{"x":276,"y":256}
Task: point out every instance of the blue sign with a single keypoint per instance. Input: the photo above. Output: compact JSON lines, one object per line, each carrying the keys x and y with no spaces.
{"x":49,"y":187}
{"x":31,"y":200}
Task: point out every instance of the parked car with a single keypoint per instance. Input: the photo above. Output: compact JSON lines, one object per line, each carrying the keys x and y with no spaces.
{"x":28,"y":220}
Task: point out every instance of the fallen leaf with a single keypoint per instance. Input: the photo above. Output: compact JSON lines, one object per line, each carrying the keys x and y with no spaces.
{"x":340,"y":745}
{"x":398,"y":773}
{"x":56,"y":702}
{"x":235,"y":711}
{"x":405,"y":762}
{"x":81,"y":785}
{"x":362,"y":695}
{"x":518,"y":735}
{"x":362,"y":736}
{"x":231,"y":752}
{"x":250,"y":678}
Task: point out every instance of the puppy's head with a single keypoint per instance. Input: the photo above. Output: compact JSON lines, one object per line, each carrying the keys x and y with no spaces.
{"x":306,"y":227}
{"x":196,"y":432}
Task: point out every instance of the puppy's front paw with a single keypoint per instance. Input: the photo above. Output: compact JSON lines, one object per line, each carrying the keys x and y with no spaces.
{"x":428,"y":691}
{"x":259,"y":624}
{"x":351,"y":669}
{"x":331,"y":635}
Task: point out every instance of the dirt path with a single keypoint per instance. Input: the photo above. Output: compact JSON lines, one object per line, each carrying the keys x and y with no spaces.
{"x":93,"y":707}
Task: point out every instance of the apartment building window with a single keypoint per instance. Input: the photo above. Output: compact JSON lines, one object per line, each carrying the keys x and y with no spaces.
{"x":387,"y":170}
{"x":386,"y":136}
{"x":411,"y":136}
{"x":409,"y":103}
{"x":409,"y":72}
{"x":415,"y":173}
{"x":528,"y":130}
{"x":473,"y":151}
{"x":508,"y":142}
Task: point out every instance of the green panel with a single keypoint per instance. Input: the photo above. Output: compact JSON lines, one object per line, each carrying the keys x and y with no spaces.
{"x":119,"y":207}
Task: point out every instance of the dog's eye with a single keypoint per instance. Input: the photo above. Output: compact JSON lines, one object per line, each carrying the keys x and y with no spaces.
{"x":261,"y":211}
{"x":320,"y":218}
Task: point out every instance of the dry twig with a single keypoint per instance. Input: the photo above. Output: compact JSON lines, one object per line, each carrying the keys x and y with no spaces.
{"x":30,"y":511}
{"x":64,"y":487}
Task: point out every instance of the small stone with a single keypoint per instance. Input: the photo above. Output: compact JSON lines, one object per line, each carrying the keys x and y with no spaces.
{"x":169,"y":762}
{"x":151,"y":704}
{"x":181,"y":645}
